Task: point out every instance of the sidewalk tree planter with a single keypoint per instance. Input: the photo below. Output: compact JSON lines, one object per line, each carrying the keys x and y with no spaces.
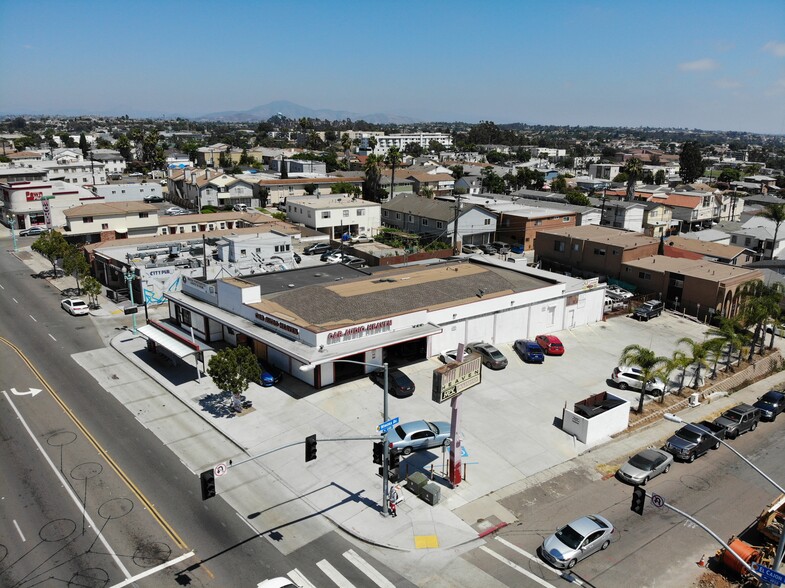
{"x":232,"y":369}
{"x":53,"y":246}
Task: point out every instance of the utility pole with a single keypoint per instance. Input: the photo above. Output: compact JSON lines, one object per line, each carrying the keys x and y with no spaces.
{"x":455,"y":250}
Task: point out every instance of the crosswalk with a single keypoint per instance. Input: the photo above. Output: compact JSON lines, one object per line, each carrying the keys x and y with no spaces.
{"x":375,"y":577}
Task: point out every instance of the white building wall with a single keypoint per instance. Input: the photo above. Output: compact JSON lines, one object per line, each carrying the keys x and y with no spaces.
{"x":125,"y":192}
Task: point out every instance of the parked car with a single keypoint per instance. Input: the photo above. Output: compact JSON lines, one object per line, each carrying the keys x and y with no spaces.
{"x":240,"y":208}
{"x":616,"y":293}
{"x":550,"y":344}
{"x":517,"y":248}
{"x":487,"y":248}
{"x":491,"y":357}
{"x":75,"y":306}
{"x":770,"y":405}
{"x":280,"y":582}
{"x":738,"y":420}
{"x":648,"y":310}
{"x":529,"y":351}
{"x":694,"y":439}
{"x":363,"y":238}
{"x":297,"y":258}
{"x":353,"y":261}
{"x":32,"y":231}
{"x":778,"y":330}
{"x":501,"y":247}
{"x":153,"y":198}
{"x":626,"y":377}
{"x":317,"y":249}
{"x":271,"y":375}
{"x":469,"y":249}
{"x":577,"y":541}
{"x":329,"y":253}
{"x":418,"y":435}
{"x":644,"y":466}
{"x":173,"y":210}
{"x":449,"y":355}
{"x":399,"y":384}
{"x":336,"y":256}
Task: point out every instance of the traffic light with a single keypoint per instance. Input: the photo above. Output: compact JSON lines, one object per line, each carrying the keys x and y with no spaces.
{"x":395,"y":458}
{"x":378,"y":452}
{"x":310,"y":448}
{"x":208,"y":484}
{"x":638,"y":500}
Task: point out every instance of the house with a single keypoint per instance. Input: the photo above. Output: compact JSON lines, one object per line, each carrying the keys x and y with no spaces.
{"x":468,"y":184}
{"x":25,"y":156}
{"x":591,"y":250}
{"x":605,"y":171}
{"x":96,"y":221}
{"x":657,"y":220}
{"x":299,"y":166}
{"x":114,"y":163}
{"x":709,"y":236}
{"x":439,"y":184}
{"x":275,"y":191}
{"x":758,"y":234}
{"x":29,"y":202}
{"x":335,"y":214}
{"x":624,"y":215}
{"x":435,"y":219}
{"x":676,"y":246}
{"x":401,"y":140}
{"x":699,"y":287}
{"x":693,"y":210}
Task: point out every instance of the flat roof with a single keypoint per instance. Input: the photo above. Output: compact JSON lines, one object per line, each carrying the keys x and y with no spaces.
{"x":340,"y":298}
{"x":697,"y":268}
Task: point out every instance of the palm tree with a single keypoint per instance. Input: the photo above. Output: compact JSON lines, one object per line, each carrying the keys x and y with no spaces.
{"x":732,"y":335}
{"x":776,"y":213}
{"x":372,"y":177}
{"x":392,"y":159}
{"x":715,"y":348}
{"x":699,"y":356}
{"x":651,"y":366}
{"x":680,"y":361}
{"x":760,"y":303}
{"x":634,"y":170}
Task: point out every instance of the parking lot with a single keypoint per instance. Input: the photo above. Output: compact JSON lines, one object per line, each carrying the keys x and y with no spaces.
{"x":510,"y":421}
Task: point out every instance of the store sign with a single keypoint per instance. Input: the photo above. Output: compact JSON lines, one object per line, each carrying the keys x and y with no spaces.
{"x":355,"y":332}
{"x":33,"y":196}
{"x":47,"y":213}
{"x":276,"y":324}
{"x":454,"y":378}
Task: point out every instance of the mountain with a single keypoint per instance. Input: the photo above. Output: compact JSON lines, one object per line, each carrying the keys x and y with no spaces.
{"x":295,"y":111}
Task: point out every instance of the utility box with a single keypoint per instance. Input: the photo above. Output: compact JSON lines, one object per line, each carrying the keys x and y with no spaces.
{"x":415,"y":482}
{"x":431,"y":493}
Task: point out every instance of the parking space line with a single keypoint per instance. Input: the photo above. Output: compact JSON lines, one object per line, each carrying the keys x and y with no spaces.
{"x":32,"y":317}
{"x":18,"y":530}
{"x":50,"y":334}
{"x":516,"y":567}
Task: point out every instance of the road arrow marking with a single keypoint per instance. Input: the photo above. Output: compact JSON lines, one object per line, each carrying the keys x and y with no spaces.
{"x":31,"y":392}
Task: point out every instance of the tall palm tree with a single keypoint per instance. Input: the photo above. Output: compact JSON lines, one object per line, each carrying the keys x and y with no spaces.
{"x":699,"y":355}
{"x":392,"y":159}
{"x":775,"y":213}
{"x":680,"y":361}
{"x":760,"y":303}
{"x":634,"y":170}
{"x":372,"y":177}
{"x":732,"y":336}
{"x":651,"y":366}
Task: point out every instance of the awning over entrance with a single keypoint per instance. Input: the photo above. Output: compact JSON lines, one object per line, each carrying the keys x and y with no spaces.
{"x":167,"y":337}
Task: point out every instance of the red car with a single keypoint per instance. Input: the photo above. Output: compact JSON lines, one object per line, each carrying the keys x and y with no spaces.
{"x":550,"y":344}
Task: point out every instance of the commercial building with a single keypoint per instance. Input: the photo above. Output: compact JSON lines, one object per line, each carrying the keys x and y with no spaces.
{"x":385,"y":142}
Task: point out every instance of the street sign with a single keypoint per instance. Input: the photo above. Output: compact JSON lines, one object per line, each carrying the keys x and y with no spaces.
{"x":657,"y":500}
{"x":769,"y":575}
{"x":464,"y":453}
{"x":387,"y":425}
{"x":220,"y":469}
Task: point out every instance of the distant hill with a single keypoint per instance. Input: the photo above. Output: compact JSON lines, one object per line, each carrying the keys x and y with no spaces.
{"x":292,"y":110}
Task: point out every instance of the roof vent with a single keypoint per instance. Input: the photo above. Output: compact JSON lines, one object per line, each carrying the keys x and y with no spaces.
{"x":290,"y":285}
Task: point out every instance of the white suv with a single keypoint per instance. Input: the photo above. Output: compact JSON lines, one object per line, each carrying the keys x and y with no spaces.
{"x":626,"y":377}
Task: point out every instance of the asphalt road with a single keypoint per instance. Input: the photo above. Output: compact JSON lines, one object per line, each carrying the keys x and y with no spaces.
{"x":660,"y":548}
{"x":149,"y":476}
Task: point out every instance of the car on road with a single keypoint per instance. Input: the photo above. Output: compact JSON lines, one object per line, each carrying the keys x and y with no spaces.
{"x":135,"y":175}
{"x":576,"y":541}
{"x":32,"y":231}
{"x":694,"y":440}
{"x":470,"y":249}
{"x":626,"y":377}
{"x":418,"y":435}
{"x":75,"y":306}
{"x":153,"y":198}
{"x":550,"y":344}
{"x":644,"y":466}
{"x":317,"y":249}
{"x":240,"y":208}
{"x":399,"y":385}
{"x":487,"y":248}
{"x":270,"y":375}
{"x":491,"y":357}
{"x":770,"y":405}
{"x":529,"y":351}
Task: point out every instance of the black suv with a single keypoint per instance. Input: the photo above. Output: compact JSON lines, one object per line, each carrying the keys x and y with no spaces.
{"x":770,"y":405}
{"x":649,"y":309}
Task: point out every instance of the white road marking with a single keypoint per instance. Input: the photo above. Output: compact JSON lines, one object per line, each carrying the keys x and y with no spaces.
{"x":1,"y":287}
{"x":367,"y":569}
{"x":334,"y":574}
{"x":516,"y":567}
{"x":151,"y":571}
{"x":15,"y":300}
{"x":68,"y":489}
{"x":296,"y":577}
{"x":18,"y":530}
{"x":32,"y":317}
{"x":50,"y":334}
{"x":535,"y":559}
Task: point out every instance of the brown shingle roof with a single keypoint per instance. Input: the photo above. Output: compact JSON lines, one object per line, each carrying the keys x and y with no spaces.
{"x":109,"y":209}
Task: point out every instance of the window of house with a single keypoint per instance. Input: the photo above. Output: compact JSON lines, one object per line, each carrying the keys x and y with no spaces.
{"x":291,"y":189}
{"x":211,"y":227}
{"x":439,"y":225}
{"x":558,"y":245}
{"x":223,"y":225}
{"x":122,"y":191}
{"x":747,"y":241}
{"x":487,"y":221}
{"x":325,"y":214}
{"x":164,"y":231}
{"x":644,"y":275}
{"x":576,"y":247}
{"x":537,"y":223}
{"x":182,"y":229}
{"x":345,"y":213}
{"x":87,"y":219}
{"x":424,"y":222}
{"x":185,"y":316}
{"x":193,"y":228}
{"x":143,"y":215}
{"x":309,"y":214}
{"x":104,"y":226}
{"x":565,"y":219}
{"x":384,"y":213}
{"x":411,"y":218}
{"x":599,"y":251}
{"x":242,"y":251}
{"x":361,"y":212}
{"x":397,"y":216}
{"x":614,"y":251}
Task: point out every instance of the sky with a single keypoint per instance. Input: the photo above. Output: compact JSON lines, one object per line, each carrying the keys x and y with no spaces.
{"x":714,"y":65}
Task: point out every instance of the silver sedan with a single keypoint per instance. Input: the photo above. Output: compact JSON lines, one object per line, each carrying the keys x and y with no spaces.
{"x":644,"y":466}
{"x":408,"y":437}
{"x":576,"y":541}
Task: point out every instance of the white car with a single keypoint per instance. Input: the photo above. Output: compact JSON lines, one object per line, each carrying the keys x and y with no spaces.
{"x":614,"y":292}
{"x":626,"y":377}
{"x":174,"y":210}
{"x":337,"y":257}
{"x":75,"y":306}
{"x":470,"y":249}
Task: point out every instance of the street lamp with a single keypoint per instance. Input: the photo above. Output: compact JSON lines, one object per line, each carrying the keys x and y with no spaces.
{"x":386,"y":455}
{"x":781,"y":545}
{"x":129,"y":278}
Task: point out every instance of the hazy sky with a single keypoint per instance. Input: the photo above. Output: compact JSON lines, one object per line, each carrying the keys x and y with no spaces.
{"x":688,"y":63}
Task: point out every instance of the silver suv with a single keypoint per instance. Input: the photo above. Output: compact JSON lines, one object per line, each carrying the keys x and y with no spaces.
{"x":626,"y":377}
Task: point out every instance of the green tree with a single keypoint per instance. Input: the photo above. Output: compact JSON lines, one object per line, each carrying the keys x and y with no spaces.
{"x":426,"y":192}
{"x":435,"y":146}
{"x":233,"y":369}
{"x":577,"y":198}
{"x":776,"y":213}
{"x":393,"y":159}
{"x":728,"y":175}
{"x":310,"y":188}
{"x":83,"y":145}
{"x":457,"y":171}
{"x":345,"y":188}
{"x":680,"y":361}
{"x":760,"y":302}
{"x":371,"y":189}
{"x":698,"y":353}
{"x":66,"y":140}
{"x":413,"y":149}
{"x":559,"y":184}
{"x":346,"y":142}
{"x":244,"y":159}
{"x":651,"y":366}
{"x":659,"y":177}
{"x":731,"y":335}
{"x":53,"y":246}
{"x":75,"y":264}
{"x":123,"y":145}
{"x":634,"y":170}
{"x":92,"y":288}
{"x":691,"y":165}
{"x":491,"y":182}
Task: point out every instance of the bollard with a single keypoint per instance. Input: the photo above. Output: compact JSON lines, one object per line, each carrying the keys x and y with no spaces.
{"x":464,"y":471}
{"x":431,"y":471}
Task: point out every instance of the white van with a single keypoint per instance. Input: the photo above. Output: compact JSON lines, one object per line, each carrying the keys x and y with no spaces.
{"x":240,"y":208}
